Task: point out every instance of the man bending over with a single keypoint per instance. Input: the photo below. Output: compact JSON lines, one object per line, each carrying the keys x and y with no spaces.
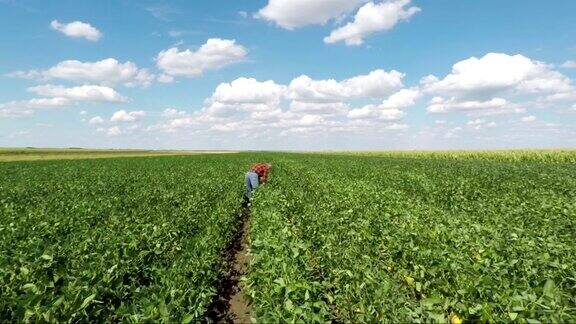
{"x":258,"y":174}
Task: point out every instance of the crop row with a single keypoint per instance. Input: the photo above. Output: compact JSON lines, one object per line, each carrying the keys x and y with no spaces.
{"x":118,"y":239}
{"x":399,"y":238}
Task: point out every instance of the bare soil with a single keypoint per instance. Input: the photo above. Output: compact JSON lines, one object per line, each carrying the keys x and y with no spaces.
{"x":230,"y":304}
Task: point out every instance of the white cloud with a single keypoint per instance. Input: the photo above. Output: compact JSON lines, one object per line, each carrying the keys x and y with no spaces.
{"x":59,"y":97}
{"x":83,"y":112}
{"x":372,"y":18}
{"x":38,"y":103}
{"x":441,"y":105}
{"x":125,"y":116}
{"x":96,"y":120}
{"x":328,"y":108}
{"x":402,"y":99}
{"x":12,"y":112}
{"x":49,"y":102}
{"x":480,"y":123}
{"x":376,"y":84}
{"x":165,"y":78}
{"x":214,"y":54}
{"x":80,"y":93}
{"x":497,"y":83}
{"x":498,"y":73}
{"x":376,"y":112}
{"x":174,"y":113}
{"x":248,"y":90}
{"x":569,"y":64}
{"x":27,"y":107}
{"x":114,"y":131}
{"x":528,"y":119}
{"x":77,"y":29}
{"x":560,"y":96}
{"x":304,"y":107}
{"x":106,"y":72}
{"x":290,"y":14}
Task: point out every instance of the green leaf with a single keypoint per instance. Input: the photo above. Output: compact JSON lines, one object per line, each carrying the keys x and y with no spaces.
{"x":288,"y":305}
{"x":409,"y":281}
{"x":46,"y":257}
{"x":87,"y":301}
{"x":549,"y":288}
{"x":30,"y":286}
{"x":187,"y":319}
{"x":24,"y":271}
{"x":513,"y":316}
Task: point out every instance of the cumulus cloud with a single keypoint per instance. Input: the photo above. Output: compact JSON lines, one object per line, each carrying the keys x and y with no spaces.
{"x":497,"y":73}
{"x":96,"y":120}
{"x":125,"y":116}
{"x":376,"y":112}
{"x":376,"y":84}
{"x":214,"y":54}
{"x":59,"y":97}
{"x":81,"y":93}
{"x":372,"y":18}
{"x":402,"y":99}
{"x":327,"y":108}
{"x":496,"y":83}
{"x":27,"y":107}
{"x":77,"y":29}
{"x":248,"y":90}
{"x":305,"y":106}
{"x":439,"y":104}
{"x":290,"y":14}
{"x":106,"y":72}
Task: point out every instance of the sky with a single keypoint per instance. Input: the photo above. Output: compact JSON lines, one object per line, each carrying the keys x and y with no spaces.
{"x":288,"y":74}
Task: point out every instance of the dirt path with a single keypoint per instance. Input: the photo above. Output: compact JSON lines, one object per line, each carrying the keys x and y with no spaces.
{"x":231,"y":305}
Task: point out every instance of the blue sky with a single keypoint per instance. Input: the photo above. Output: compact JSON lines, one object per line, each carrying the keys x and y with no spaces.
{"x":288,"y":74}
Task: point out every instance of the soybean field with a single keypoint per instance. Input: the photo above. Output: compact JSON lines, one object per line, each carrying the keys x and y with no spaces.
{"x":115,"y":239}
{"x":442,"y":237}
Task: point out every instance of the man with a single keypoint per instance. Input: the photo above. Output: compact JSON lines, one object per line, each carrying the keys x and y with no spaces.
{"x":258,"y":174}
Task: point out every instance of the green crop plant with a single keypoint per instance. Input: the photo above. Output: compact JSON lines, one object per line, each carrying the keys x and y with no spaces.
{"x":429,"y":237}
{"x":345,"y":237}
{"x":133,"y":239}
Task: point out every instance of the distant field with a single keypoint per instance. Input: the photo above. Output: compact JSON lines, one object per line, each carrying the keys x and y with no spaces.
{"x":30,"y":154}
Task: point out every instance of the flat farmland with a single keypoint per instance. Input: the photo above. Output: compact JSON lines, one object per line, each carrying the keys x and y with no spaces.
{"x":417,"y":237}
{"x":347,"y":237}
{"x":35,"y":154}
{"x":115,"y":239}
